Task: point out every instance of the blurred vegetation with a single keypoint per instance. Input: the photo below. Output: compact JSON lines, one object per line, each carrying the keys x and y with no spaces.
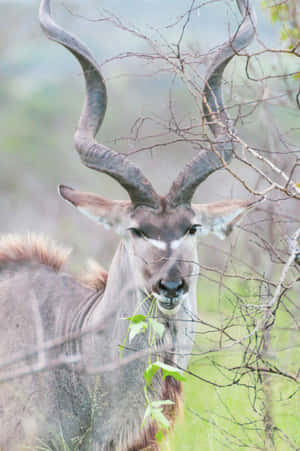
{"x":232,"y":417}
{"x":287,"y":14}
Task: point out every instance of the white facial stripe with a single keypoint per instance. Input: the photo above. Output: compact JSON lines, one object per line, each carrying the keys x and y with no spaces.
{"x":176,"y":243}
{"x":163,"y":244}
{"x":157,"y":243}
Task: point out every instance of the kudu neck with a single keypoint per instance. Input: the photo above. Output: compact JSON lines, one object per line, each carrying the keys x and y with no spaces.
{"x":121,"y":297}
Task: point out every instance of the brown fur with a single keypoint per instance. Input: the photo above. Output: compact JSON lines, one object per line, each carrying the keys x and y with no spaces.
{"x":172,"y":391}
{"x":95,"y":276}
{"x":15,"y":248}
{"x":147,"y":440}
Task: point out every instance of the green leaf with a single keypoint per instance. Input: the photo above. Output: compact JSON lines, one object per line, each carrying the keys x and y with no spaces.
{"x":155,"y":410}
{"x":158,"y":416}
{"x":137,"y":328}
{"x":159,"y":436}
{"x":147,"y":414}
{"x":165,"y":402}
{"x":167,"y":370}
{"x":264,"y":4}
{"x":283,"y":35}
{"x":274,"y":16}
{"x":137,"y":318}
{"x":149,"y":373}
{"x":157,"y":327}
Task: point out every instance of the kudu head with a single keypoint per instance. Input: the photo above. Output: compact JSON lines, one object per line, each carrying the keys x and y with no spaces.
{"x":160,"y":232}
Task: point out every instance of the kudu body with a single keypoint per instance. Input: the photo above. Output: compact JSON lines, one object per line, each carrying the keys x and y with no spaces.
{"x":88,"y":403}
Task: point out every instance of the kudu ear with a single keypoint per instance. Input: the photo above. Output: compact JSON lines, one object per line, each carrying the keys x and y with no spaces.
{"x":220,"y":217}
{"x":111,"y":214}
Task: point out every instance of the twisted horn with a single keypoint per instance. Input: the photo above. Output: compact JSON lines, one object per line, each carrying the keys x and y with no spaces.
{"x":94,"y":155}
{"x":204,"y":164}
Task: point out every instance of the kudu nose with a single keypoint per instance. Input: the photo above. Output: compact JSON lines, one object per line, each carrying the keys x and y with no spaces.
{"x":172,"y":288}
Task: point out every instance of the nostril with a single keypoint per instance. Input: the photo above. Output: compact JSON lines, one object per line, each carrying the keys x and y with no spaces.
{"x":171,"y":287}
{"x":161,"y":285}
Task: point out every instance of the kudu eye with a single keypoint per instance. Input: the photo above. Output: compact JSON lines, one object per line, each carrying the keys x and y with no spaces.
{"x":193,"y":229}
{"x":136,"y":232}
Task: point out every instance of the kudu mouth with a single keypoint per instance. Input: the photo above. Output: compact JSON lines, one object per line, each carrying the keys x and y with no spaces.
{"x":169,"y":306}
{"x":169,"y":295}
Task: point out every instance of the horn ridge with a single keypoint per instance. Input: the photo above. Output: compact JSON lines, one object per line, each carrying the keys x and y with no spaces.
{"x":93,"y":154}
{"x":207,"y":162}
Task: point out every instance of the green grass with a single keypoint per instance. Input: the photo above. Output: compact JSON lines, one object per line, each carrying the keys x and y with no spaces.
{"x":233,"y":417}
{"x":228,"y":418}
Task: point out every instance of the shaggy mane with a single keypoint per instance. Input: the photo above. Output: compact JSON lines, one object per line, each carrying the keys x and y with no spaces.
{"x":16,"y":248}
{"x":95,"y":276}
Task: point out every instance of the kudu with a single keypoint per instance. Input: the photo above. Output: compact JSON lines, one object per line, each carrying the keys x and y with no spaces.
{"x":155,"y":265}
